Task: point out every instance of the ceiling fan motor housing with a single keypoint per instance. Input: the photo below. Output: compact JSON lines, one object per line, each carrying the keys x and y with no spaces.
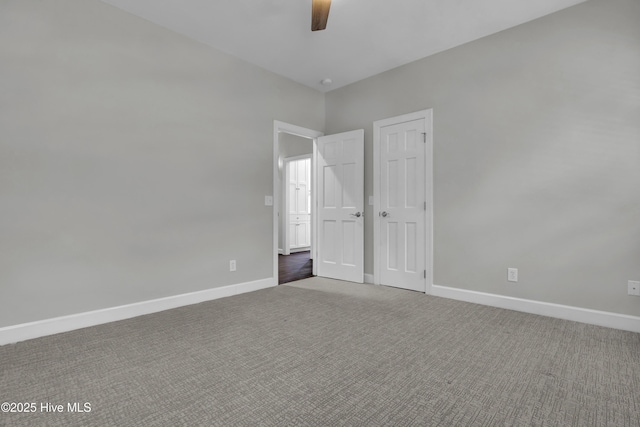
{"x":319,"y":14}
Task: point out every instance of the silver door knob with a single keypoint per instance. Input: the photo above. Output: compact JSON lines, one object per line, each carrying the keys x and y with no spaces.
{"x":357,"y":214}
{"x":384,"y":214}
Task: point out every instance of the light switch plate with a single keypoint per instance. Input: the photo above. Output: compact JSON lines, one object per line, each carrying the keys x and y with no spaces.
{"x":268,"y":200}
{"x":370,"y":200}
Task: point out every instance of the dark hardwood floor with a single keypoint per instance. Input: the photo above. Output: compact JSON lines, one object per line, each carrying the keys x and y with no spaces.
{"x":296,"y":266}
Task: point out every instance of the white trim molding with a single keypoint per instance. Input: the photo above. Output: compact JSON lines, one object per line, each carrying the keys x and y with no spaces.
{"x":300,"y":249}
{"x":584,"y":315}
{"x":368,"y":278}
{"x":295,"y":250}
{"x":41,"y":328}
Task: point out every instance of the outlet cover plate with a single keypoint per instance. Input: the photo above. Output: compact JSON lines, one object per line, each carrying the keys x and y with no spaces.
{"x":634,"y":288}
{"x":512,"y":274}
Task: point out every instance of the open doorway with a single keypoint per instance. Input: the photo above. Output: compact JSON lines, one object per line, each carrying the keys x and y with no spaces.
{"x":294,"y":202}
{"x":294,"y":233}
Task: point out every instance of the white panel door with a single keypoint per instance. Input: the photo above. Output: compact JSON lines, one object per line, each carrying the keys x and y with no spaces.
{"x":341,"y":206}
{"x":402,"y":205}
{"x":299,"y":203}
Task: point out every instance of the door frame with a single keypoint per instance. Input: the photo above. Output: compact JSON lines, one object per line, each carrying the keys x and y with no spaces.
{"x":287,"y":196}
{"x":427,"y":116}
{"x":283,"y":127}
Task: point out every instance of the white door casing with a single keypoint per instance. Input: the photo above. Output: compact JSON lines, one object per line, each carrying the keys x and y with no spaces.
{"x":402,"y":195}
{"x":340,"y":210}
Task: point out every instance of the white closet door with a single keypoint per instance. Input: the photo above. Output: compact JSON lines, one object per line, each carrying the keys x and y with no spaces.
{"x":402,"y":205}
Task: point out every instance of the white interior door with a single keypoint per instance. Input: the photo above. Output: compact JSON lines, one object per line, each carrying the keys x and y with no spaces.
{"x":341,"y":206}
{"x":402,"y":205}
{"x":299,"y":203}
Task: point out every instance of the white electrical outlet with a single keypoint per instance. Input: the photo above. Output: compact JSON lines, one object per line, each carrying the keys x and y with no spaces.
{"x":512,"y":274}
{"x":232,"y":265}
{"x":633,"y":288}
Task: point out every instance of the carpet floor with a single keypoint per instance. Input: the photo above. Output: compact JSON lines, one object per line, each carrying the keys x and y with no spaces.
{"x":326,"y":353}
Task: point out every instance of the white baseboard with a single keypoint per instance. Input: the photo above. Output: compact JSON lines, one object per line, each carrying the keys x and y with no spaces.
{"x":41,"y":328}
{"x":294,"y":250}
{"x":368,"y":278}
{"x":303,"y":249}
{"x":576,"y":314}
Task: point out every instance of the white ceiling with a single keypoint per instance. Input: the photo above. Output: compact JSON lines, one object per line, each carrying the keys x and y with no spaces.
{"x":363,"y":37}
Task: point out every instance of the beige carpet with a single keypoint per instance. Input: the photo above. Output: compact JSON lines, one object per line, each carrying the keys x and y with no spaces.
{"x":322,"y":353}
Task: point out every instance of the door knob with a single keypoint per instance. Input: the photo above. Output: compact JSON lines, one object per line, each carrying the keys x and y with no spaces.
{"x":384,"y":214}
{"x":357,"y":214}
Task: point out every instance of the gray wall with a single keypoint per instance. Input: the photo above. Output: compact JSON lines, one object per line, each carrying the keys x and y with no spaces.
{"x":133,"y":161}
{"x":289,"y":146}
{"x":536,"y":155}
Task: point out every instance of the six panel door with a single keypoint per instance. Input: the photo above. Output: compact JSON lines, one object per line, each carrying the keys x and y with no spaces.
{"x":341,"y":206}
{"x":402,"y":205}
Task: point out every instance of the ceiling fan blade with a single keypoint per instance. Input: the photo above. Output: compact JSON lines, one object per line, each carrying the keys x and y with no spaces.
{"x":319,"y":14}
